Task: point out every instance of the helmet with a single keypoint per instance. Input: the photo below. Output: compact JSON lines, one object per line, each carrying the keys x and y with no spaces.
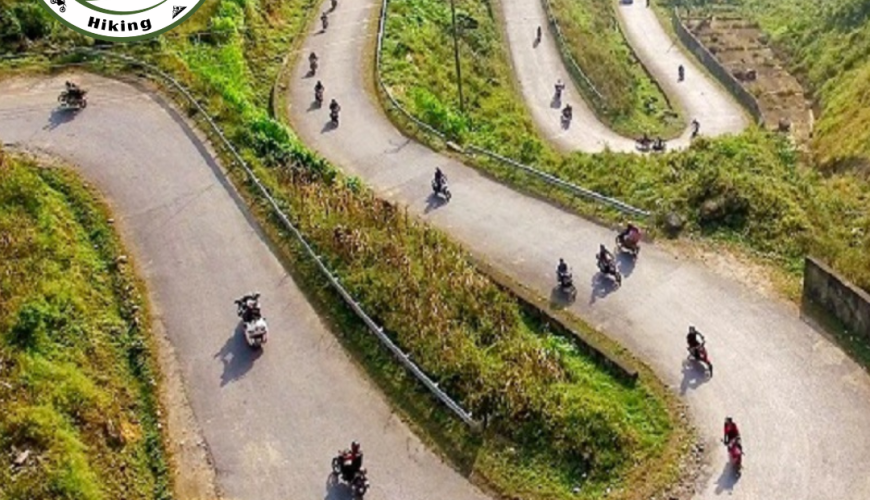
{"x":728,"y":420}
{"x":561,"y":260}
{"x":602,"y":248}
{"x":354,"y":447}
{"x":692,"y":330}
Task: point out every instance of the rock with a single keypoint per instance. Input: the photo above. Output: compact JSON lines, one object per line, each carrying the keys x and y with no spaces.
{"x":122,"y":259}
{"x":111,"y":221}
{"x":21,"y":458}
{"x":673,"y":223}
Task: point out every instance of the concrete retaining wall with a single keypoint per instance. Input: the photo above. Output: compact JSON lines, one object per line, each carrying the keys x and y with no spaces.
{"x":710,"y":62}
{"x":836,"y":296}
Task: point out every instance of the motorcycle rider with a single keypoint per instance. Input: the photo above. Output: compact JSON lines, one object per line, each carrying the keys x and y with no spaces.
{"x":73,"y":91}
{"x":318,"y":92}
{"x":334,"y":108}
{"x":440,"y":179}
{"x":630,"y":235}
{"x":538,"y":35}
{"x":658,"y":144}
{"x":696,"y":128}
{"x":567,"y":112}
{"x":681,"y":73}
{"x":605,"y":259}
{"x":351,"y":462}
{"x":695,"y":340}
{"x":324,"y":19}
{"x":249,"y":307}
{"x":559,"y":88}
{"x":562,"y":272}
{"x":731,"y":433}
{"x":312,"y":62}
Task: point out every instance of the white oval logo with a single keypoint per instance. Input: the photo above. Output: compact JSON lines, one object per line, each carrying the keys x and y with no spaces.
{"x":121,"y":20}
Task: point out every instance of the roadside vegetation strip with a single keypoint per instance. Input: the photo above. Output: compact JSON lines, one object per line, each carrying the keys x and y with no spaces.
{"x":77,"y":376}
{"x":633,"y":103}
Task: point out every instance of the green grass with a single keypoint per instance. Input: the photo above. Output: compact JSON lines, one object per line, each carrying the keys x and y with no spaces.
{"x":634,"y":102}
{"x":418,"y":68}
{"x":76,"y":372}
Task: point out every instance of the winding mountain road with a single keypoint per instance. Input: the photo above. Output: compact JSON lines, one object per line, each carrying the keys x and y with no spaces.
{"x":272,"y":421}
{"x":803,"y":406}
{"x":539,"y":66}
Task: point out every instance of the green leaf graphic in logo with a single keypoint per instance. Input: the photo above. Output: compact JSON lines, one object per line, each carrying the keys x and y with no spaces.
{"x":90,"y":5}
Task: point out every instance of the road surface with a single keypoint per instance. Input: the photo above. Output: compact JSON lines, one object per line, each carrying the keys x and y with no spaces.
{"x":802,"y":405}
{"x":272,"y":421}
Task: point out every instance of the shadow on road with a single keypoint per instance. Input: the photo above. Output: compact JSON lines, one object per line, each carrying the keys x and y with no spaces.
{"x":59,"y":116}
{"x":329,"y":126}
{"x":314,"y":106}
{"x":694,"y":375}
{"x":336,"y":490}
{"x":434,"y":202}
{"x":602,"y":286}
{"x":727,"y":480}
{"x":560,"y":298}
{"x":556,"y":103}
{"x":237,"y":356}
{"x":625,"y":262}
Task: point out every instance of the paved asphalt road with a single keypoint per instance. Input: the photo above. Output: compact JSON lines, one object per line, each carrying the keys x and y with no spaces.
{"x":273,"y":421}
{"x":539,"y":66}
{"x":802,"y":405}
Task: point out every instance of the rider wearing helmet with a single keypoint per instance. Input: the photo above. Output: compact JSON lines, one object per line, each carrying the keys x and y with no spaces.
{"x":562,"y":268}
{"x":631,"y":234}
{"x":440,"y":178}
{"x":731,"y":432}
{"x":604,"y":257}
{"x":351,"y":462}
{"x":695,"y":340}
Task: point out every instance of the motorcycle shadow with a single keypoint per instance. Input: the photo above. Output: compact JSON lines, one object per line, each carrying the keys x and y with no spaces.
{"x":602,"y":286}
{"x":60,"y":115}
{"x":434,"y":202}
{"x":561,"y":298}
{"x":314,"y":106}
{"x":556,"y":103}
{"x":337,"y":490}
{"x":566,"y":124}
{"x":329,"y":126}
{"x":237,"y":356}
{"x":728,"y":479}
{"x":694,"y":375}
{"x":625,"y":262}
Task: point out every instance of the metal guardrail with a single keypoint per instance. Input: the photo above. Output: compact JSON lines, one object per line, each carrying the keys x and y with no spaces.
{"x":546,"y":177}
{"x":403,"y":358}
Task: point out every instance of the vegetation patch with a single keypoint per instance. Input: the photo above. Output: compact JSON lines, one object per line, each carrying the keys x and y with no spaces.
{"x":634,"y":102}
{"x":77,"y":377}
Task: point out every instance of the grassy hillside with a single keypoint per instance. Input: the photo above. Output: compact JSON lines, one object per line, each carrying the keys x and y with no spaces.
{"x":635,"y":103}
{"x":76,"y":376}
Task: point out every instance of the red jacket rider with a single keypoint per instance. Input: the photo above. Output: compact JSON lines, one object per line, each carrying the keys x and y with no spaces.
{"x":732,"y":434}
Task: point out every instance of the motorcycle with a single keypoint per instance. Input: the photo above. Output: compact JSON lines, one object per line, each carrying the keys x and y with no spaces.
{"x":443,"y":189}
{"x":735,"y":455}
{"x":609,"y":269}
{"x":628,"y":245}
{"x":318,"y":97}
{"x":681,"y":73}
{"x":699,"y":354}
{"x":696,"y":129}
{"x":566,"y":283}
{"x":659,"y":146}
{"x":567,"y":114}
{"x":560,"y":87}
{"x":325,"y":20}
{"x":256,"y":329}
{"x":359,"y":483}
{"x":73,"y":99}
{"x":643,"y":144}
{"x":312,"y":66}
{"x":333,"y":117}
